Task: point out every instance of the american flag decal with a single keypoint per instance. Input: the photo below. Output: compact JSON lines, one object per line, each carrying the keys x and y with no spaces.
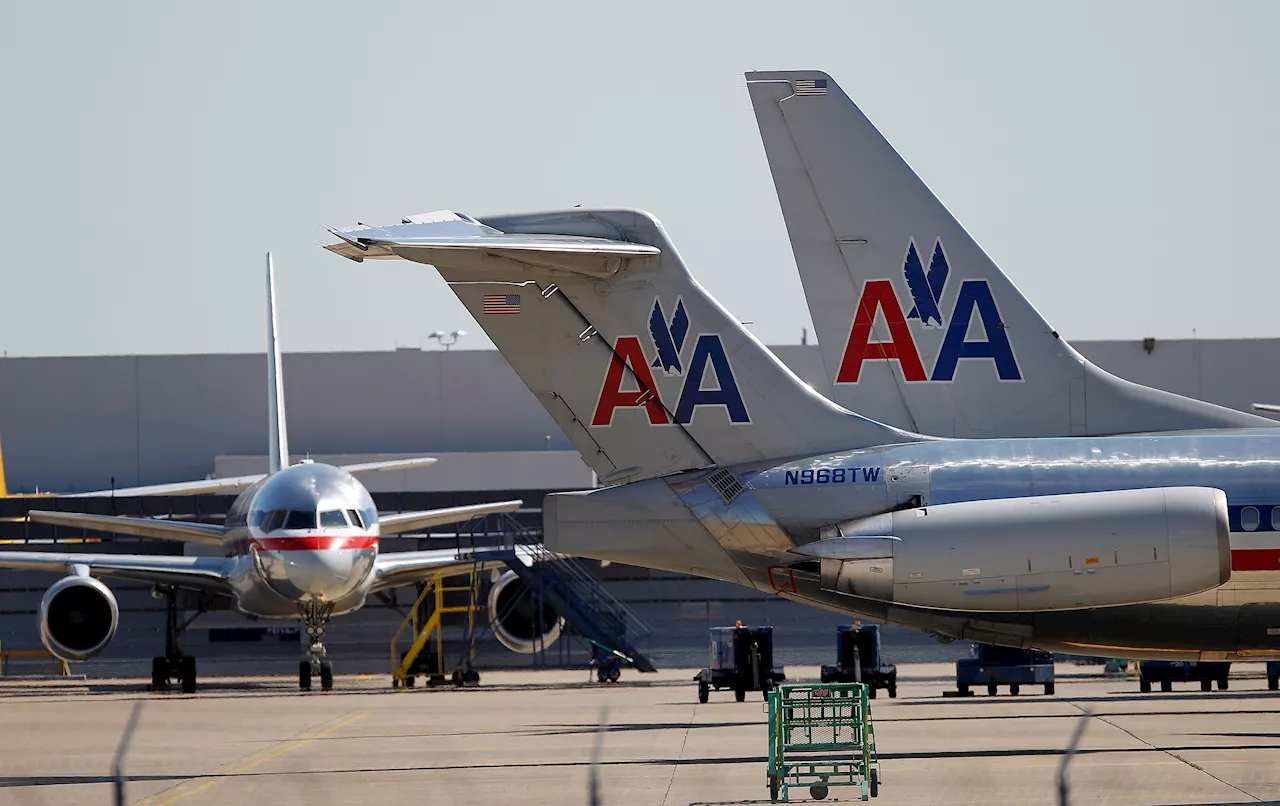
{"x":811,"y":86}
{"x":501,"y":303}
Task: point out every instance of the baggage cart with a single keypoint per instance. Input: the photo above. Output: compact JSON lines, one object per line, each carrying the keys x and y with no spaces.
{"x":995,"y":666}
{"x":741,"y":661}
{"x":1168,"y":672}
{"x":819,"y":737}
{"x":858,"y":660}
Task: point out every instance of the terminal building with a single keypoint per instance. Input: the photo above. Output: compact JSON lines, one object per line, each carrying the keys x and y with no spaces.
{"x":89,"y":423}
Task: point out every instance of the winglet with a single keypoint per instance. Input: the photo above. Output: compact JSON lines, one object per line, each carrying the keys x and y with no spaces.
{"x":278,"y":451}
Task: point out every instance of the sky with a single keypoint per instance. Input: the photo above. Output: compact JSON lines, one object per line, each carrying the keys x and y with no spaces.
{"x":1117,"y":160}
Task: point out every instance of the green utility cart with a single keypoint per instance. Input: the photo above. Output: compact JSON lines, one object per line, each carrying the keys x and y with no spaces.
{"x":820,"y":737}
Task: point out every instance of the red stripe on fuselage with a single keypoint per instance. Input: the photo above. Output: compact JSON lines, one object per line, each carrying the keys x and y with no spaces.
{"x":1255,"y":559}
{"x":315,"y":543}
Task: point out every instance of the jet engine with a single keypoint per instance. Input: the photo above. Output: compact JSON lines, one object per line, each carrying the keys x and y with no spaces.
{"x":78,"y":618}
{"x":1044,"y":553}
{"x":520,"y":621}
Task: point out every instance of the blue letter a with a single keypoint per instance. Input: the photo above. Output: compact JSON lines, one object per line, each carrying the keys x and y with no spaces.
{"x":976,"y":294}
{"x":709,"y":349}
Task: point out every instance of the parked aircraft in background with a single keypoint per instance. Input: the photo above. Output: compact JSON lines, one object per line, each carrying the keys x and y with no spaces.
{"x":301,"y":542}
{"x":721,"y":463}
{"x":917,"y":326}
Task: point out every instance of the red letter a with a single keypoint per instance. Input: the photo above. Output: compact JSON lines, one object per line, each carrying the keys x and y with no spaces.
{"x":879,"y":295}
{"x":628,"y":353}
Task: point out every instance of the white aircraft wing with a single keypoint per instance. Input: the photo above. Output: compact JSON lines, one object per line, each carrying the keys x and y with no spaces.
{"x":209,"y":486}
{"x":408,"y":521}
{"x":200,"y":573}
{"x":207,"y":533}
{"x":397,"y":568}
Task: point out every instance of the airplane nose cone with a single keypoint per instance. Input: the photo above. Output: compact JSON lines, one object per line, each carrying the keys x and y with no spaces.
{"x":326,"y":574}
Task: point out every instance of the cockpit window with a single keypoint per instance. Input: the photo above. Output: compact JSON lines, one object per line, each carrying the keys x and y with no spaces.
{"x":273,"y":520}
{"x":298,"y":519}
{"x":333,"y":517}
{"x":356,"y":522}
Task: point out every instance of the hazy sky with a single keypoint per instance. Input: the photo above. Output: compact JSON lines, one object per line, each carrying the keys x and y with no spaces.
{"x":1119,"y":161}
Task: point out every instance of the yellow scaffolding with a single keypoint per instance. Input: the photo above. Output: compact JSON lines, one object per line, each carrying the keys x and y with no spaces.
{"x":403,"y":667}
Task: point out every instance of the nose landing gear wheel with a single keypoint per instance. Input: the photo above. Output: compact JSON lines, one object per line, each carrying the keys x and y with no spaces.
{"x":304,"y":675}
{"x":187,"y":674}
{"x":326,"y":676}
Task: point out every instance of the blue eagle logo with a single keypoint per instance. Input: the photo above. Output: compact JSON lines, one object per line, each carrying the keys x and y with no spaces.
{"x":668,"y":337}
{"x":926,"y":289}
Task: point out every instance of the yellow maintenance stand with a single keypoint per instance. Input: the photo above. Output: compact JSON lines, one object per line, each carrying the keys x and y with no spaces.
{"x":406,"y":667}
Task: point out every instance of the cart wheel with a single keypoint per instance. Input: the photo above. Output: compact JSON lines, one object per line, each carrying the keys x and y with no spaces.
{"x":1273,"y":682}
{"x":704,"y":692}
{"x":991,"y":689}
{"x":822,"y":676}
{"x":395,"y":683}
{"x":410,"y":681}
{"x":1014,"y":688}
{"x":1206,"y":685}
{"x":871,"y":692}
{"x":893,"y":692}
{"x":1048,"y":689}
{"x":1222,"y":684}
{"x":614,"y":674}
{"x":740,"y":694}
{"x":1166,"y":685}
{"x":600,"y":674}
{"x":875,"y":783}
{"x":818,"y":791}
{"x":963,"y":689}
{"x":1144,"y":686}
{"x":773,"y":789}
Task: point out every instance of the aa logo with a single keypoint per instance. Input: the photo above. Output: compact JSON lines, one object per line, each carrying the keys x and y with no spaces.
{"x":879,"y":301}
{"x":708,"y":376}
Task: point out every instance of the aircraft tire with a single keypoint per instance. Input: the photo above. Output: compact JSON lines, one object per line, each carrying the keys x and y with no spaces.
{"x":187,"y":674}
{"x":159,"y":674}
{"x":704,"y":692}
{"x":304,"y":675}
{"x":326,"y":676}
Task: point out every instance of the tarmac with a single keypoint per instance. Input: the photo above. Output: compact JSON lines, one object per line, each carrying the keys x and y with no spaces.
{"x":529,"y":737}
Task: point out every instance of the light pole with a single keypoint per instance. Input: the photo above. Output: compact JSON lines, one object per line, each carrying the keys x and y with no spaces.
{"x":449,"y":339}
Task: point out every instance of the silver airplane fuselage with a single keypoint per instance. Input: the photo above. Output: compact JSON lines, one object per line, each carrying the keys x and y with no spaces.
{"x":307,"y":534}
{"x":788,"y":504}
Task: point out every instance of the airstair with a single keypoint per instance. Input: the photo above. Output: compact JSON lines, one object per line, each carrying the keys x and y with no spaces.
{"x":563,"y":585}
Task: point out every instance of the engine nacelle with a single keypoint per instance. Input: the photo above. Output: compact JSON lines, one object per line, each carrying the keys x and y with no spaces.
{"x":520,"y":622}
{"x":1054,"y":552}
{"x":78,"y":618}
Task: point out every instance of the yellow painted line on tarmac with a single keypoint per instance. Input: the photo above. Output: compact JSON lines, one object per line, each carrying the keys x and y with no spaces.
{"x":206,"y":782}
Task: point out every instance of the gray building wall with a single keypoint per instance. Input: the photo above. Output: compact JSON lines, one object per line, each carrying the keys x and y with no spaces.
{"x":70,"y":424}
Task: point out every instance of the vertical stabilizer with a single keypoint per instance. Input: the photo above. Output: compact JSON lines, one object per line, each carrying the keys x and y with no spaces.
{"x":646,"y":373}
{"x":917,"y":325}
{"x":278,"y":452}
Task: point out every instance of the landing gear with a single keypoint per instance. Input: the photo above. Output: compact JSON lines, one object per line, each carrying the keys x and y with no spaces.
{"x":315,"y":616}
{"x":174,"y":665}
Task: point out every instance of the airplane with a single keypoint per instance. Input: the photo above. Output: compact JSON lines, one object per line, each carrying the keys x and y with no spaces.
{"x":917,"y":325}
{"x":300,"y":542}
{"x":718,"y":461}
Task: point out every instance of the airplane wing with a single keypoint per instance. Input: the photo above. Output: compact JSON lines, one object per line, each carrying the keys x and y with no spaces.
{"x":209,"y":486}
{"x":397,"y":568}
{"x":200,"y":573}
{"x":464,"y":239}
{"x":408,"y":521}
{"x":207,"y":533}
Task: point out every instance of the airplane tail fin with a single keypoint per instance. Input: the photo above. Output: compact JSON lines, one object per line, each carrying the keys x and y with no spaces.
{"x":278,"y":451}
{"x":644,"y":371}
{"x":916,"y":324}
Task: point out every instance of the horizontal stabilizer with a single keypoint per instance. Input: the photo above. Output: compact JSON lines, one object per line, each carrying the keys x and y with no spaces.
{"x":183,"y":532}
{"x":409,"y":521}
{"x":482,"y":247}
